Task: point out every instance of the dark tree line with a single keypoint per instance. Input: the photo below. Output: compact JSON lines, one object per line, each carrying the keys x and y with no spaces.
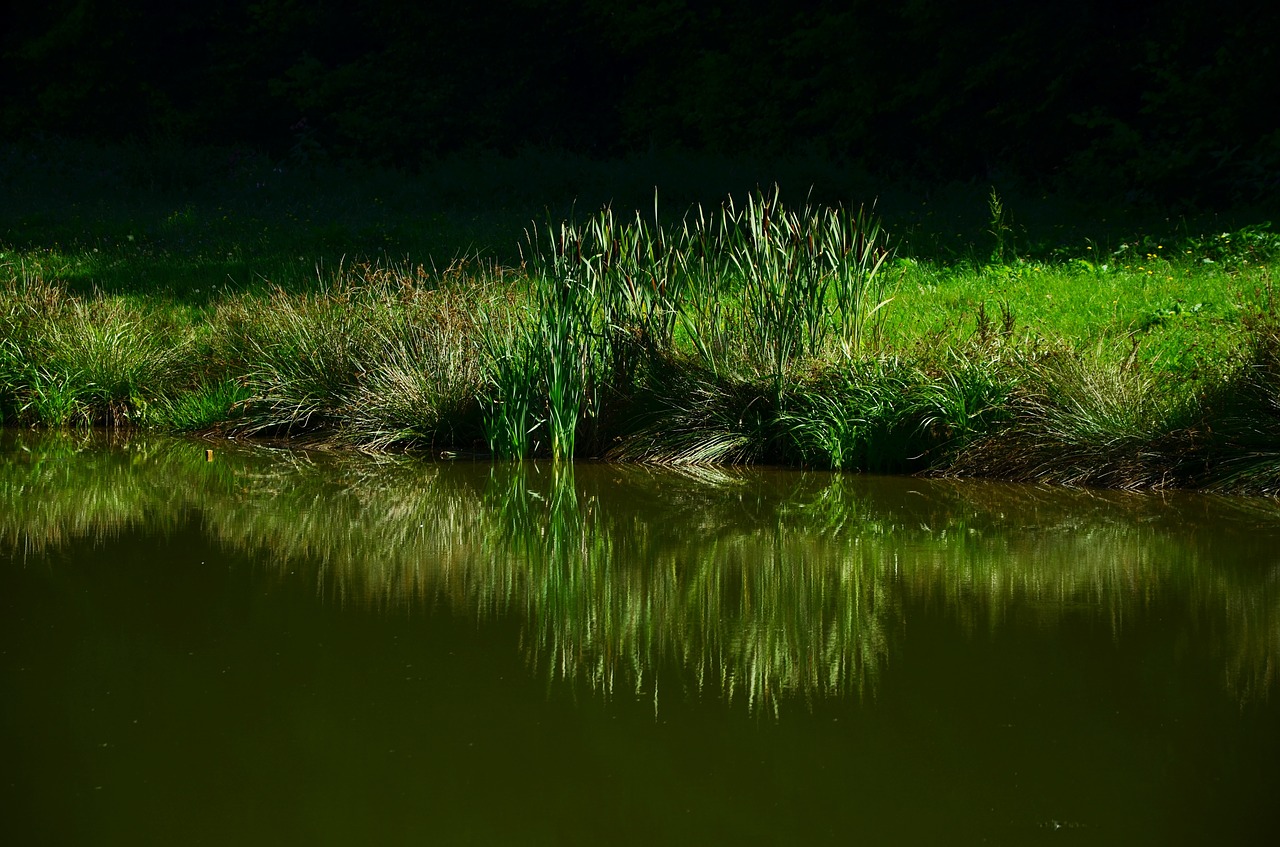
{"x":1167,"y":99}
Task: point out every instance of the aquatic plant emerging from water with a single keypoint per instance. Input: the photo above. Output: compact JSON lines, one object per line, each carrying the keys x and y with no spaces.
{"x":743,"y":293}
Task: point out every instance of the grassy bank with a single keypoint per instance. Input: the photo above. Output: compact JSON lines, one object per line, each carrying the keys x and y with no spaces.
{"x":756,"y":330}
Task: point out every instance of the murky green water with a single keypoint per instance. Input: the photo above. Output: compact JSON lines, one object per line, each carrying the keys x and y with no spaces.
{"x":281,"y":648}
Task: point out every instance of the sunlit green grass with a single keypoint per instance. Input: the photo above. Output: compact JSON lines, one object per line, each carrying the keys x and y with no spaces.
{"x":1159,"y":301}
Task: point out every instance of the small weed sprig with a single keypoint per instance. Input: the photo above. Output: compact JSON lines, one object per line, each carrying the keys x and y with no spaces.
{"x":999,"y":228}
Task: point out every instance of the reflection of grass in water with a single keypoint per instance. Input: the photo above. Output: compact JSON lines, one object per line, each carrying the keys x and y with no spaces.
{"x":612,"y":598}
{"x":61,"y":487}
{"x":1249,"y":632}
{"x":747,"y":585}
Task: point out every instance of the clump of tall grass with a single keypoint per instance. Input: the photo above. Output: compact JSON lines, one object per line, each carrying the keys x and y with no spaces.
{"x":688,"y":415}
{"x":371,"y":361}
{"x":421,"y":390}
{"x":1086,"y":419}
{"x":69,"y":361}
{"x":860,"y":418}
{"x":891,"y":414}
{"x":510,"y":367}
{"x":737,"y":299}
{"x":302,"y":357}
{"x":604,"y":299}
{"x":10,"y":369}
{"x":211,"y":404}
{"x":805,"y":278}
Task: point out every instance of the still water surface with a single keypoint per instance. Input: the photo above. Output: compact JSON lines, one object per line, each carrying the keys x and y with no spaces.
{"x":301,"y":648}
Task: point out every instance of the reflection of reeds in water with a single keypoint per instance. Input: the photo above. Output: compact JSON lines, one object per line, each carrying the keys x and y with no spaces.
{"x":745,"y":611}
{"x":58,"y":489}
{"x":738,"y":584}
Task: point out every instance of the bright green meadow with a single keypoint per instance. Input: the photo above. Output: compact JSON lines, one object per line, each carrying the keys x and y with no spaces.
{"x":217,"y":292}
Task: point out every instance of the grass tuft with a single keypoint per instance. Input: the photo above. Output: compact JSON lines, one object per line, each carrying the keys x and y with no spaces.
{"x":1084,"y":419}
{"x":71,"y":361}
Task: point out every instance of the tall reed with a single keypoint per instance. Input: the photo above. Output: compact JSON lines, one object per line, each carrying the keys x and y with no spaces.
{"x":742,"y":293}
{"x":565,"y":339}
{"x":805,"y":276}
{"x":511,"y":384}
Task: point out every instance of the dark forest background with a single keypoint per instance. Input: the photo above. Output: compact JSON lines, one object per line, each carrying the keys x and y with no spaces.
{"x":1166,"y":102}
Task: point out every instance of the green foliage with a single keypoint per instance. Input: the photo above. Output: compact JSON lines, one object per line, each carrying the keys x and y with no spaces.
{"x":206,"y":408}
{"x":963,"y":397}
{"x":421,"y":387}
{"x":511,"y":380}
{"x":856,"y":419}
{"x":305,"y":355}
{"x":793,"y":268}
{"x":1177,"y":310}
{"x":1243,"y":427}
{"x":375,"y":361}
{"x":750,"y":331}
{"x":1079,"y":418}
{"x":68,"y":361}
{"x":611,"y":303}
{"x":999,"y":228}
{"x":1257,"y":243}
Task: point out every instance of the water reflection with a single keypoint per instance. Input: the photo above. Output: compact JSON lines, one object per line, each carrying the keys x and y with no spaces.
{"x":748,"y":585}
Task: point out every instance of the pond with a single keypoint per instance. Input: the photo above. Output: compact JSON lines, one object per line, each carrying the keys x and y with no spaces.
{"x":266,"y":646}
